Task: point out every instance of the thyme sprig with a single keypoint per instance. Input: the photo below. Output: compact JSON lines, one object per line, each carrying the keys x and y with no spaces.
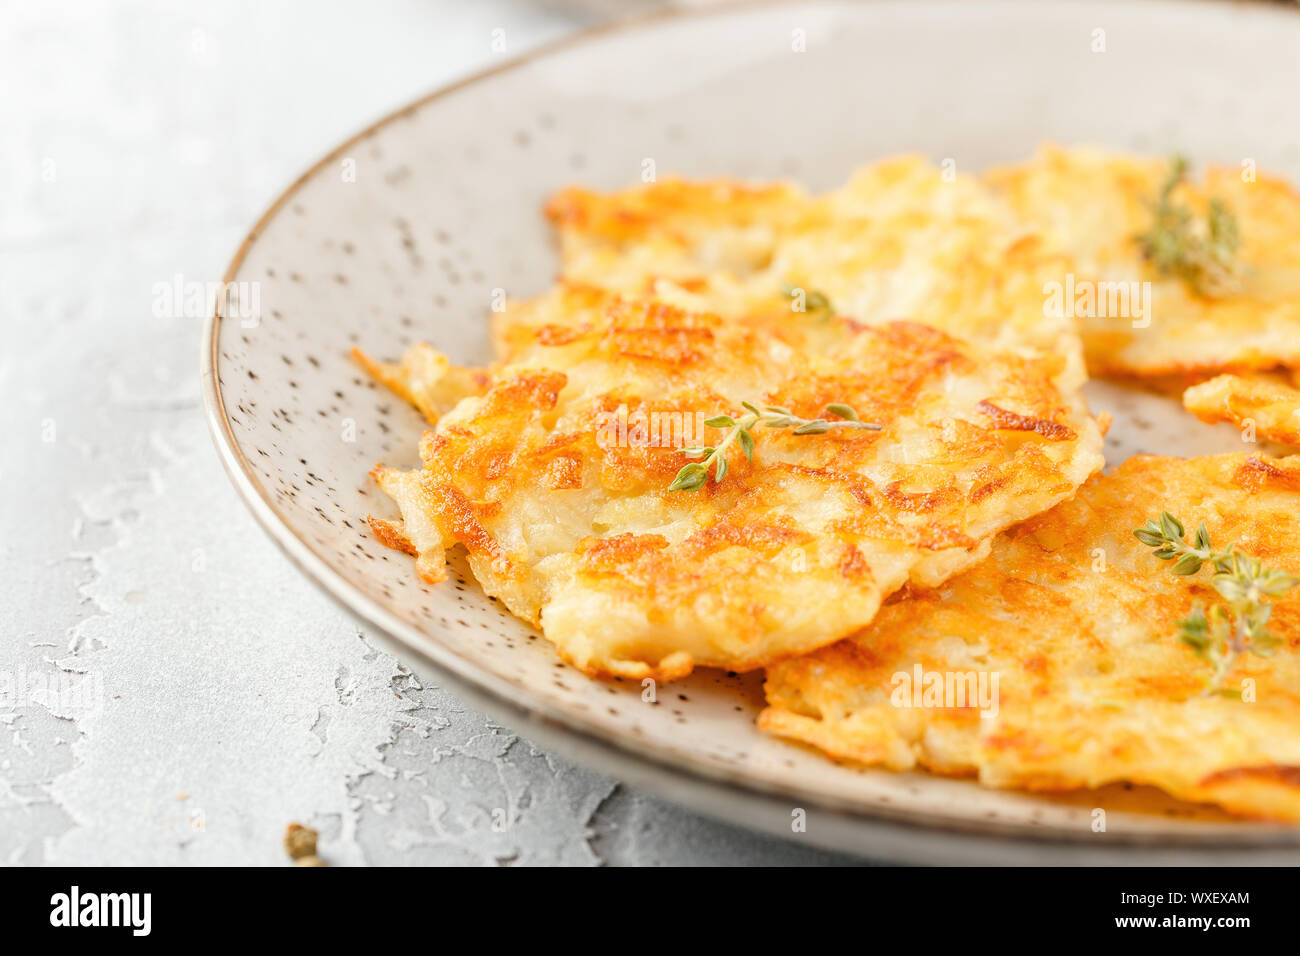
{"x":695,"y":475}
{"x":1238,"y":625}
{"x":1202,"y":254}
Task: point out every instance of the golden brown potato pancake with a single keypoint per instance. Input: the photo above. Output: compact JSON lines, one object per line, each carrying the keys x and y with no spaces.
{"x":901,"y":240}
{"x":1092,"y":205}
{"x":1077,"y":619}
{"x":1267,"y":404}
{"x":555,"y":479}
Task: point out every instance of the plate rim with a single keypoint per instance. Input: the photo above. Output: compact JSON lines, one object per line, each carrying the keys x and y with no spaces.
{"x":882,"y":833}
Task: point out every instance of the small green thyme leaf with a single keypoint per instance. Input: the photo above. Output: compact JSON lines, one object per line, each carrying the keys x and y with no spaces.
{"x":1203,"y":538}
{"x":746,"y":440}
{"x":690,"y":477}
{"x":1148,"y":537}
{"x":816,"y":427}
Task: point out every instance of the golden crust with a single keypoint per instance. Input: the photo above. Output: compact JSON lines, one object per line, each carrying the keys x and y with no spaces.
{"x":1269,"y":405}
{"x":1091,"y":204}
{"x":676,"y":211}
{"x":555,"y":479}
{"x":425,"y":378}
{"x":1077,"y":619}
{"x":900,"y":240}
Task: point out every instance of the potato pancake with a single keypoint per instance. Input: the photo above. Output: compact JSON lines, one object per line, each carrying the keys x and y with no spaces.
{"x":1072,"y":623}
{"x":555,"y":480}
{"x":1268,"y":404}
{"x":426,"y":379}
{"x":1093,"y":205}
{"x":903,"y":239}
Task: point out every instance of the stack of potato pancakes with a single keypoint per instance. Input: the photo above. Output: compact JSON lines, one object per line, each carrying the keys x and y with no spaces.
{"x":841,"y":437}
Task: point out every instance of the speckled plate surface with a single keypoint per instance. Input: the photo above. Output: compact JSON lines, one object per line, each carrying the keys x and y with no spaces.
{"x":404,"y":232}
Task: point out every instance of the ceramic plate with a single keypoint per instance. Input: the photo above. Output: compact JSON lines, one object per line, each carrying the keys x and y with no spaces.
{"x":405,"y":231}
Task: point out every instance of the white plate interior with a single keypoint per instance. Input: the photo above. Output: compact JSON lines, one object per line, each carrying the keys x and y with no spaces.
{"x":405,"y":233}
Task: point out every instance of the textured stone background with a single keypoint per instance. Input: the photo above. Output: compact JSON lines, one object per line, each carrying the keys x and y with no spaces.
{"x":171,"y":690}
